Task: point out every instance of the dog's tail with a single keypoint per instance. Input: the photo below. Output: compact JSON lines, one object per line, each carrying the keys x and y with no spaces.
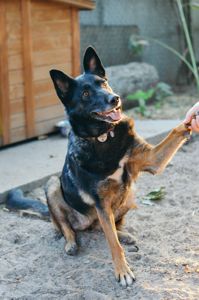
{"x":17,"y":202}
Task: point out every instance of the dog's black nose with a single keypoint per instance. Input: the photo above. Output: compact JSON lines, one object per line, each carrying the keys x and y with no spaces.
{"x":114,"y":99}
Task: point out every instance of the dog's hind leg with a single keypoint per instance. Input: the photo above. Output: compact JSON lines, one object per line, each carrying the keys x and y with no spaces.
{"x":124,"y":236}
{"x":58,"y":232}
{"x":55,"y":224}
{"x":71,"y":245}
{"x":60,"y":222}
{"x":59,"y":211}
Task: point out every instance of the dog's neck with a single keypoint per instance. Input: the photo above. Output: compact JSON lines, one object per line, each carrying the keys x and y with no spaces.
{"x":86,"y":128}
{"x":103,"y":137}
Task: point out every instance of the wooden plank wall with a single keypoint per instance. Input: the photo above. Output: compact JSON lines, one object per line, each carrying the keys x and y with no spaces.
{"x":51,"y":38}
{"x":75,"y":42}
{"x":38,"y":36}
{"x":14,"y":66}
{"x":4,"y":84}
{"x":28,"y":68}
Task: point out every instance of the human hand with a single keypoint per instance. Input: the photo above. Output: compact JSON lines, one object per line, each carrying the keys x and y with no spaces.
{"x":192,"y":118}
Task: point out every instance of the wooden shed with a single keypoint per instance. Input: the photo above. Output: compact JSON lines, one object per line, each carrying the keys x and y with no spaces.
{"x":35,"y":36}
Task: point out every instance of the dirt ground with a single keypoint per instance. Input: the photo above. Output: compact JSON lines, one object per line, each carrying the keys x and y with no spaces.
{"x":33,"y":264}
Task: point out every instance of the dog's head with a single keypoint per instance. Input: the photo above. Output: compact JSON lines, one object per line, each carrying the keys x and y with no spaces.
{"x":93,"y":108}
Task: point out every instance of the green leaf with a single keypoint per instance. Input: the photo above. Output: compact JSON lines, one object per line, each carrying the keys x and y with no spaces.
{"x":156,"y":195}
{"x":137,"y":45}
{"x":141,"y":95}
{"x":142,"y":107}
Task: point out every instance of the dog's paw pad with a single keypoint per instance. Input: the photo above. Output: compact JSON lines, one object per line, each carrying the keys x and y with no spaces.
{"x":71,"y":248}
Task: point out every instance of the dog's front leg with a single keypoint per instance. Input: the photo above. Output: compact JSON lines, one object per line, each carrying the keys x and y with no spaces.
{"x":156,"y":158}
{"x":122,"y":271}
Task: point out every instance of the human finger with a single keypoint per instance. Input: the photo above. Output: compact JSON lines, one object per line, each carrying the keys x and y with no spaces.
{"x":189,"y":115}
{"x":194,"y":109}
{"x":197,"y":120}
{"x":194,"y":125}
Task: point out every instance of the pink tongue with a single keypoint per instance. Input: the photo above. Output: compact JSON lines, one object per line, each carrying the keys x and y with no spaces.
{"x":115,"y":115}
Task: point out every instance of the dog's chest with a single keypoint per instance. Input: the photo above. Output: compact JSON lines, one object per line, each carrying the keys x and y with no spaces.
{"x":115,"y":188}
{"x":118,"y":173}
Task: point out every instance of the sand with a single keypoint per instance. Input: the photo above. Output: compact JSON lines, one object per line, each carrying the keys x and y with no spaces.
{"x":33,"y":264}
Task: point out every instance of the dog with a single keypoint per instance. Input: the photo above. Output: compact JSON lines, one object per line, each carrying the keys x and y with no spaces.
{"x":105,"y":157}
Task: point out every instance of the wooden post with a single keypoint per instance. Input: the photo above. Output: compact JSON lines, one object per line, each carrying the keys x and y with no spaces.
{"x":4,"y":81}
{"x":28,"y":67}
{"x":75,"y":42}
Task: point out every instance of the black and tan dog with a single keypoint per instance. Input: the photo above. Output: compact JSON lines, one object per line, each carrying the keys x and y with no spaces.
{"x":105,"y":156}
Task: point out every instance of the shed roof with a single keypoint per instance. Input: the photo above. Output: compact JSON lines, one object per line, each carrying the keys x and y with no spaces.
{"x":81,"y":4}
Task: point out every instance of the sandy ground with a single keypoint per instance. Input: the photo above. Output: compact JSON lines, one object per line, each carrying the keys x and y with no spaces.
{"x":33,"y":264}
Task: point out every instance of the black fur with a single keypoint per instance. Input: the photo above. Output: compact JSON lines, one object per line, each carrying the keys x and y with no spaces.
{"x":81,"y":109}
{"x":88,"y":160}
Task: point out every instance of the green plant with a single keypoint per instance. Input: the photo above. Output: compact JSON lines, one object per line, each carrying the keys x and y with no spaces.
{"x":137,"y":45}
{"x":142,"y":97}
{"x":155,"y":195}
{"x":189,"y":43}
{"x":159,"y":92}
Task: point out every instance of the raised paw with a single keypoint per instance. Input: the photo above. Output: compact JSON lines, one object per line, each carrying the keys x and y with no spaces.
{"x":125,"y":276}
{"x":183,"y":130}
{"x":71,"y":248}
{"x":126,"y":238}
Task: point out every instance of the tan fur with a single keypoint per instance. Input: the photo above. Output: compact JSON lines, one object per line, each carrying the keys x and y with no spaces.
{"x":116,"y":199}
{"x":117,"y":175}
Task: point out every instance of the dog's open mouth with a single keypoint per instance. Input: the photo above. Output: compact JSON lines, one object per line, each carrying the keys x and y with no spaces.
{"x":113,"y":115}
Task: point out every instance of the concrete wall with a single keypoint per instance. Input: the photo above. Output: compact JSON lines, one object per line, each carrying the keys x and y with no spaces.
{"x":111,"y":42}
{"x":195,"y":28}
{"x":153,"y":18}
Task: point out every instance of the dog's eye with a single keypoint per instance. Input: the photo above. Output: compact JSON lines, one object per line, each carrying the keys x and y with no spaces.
{"x":85,"y":93}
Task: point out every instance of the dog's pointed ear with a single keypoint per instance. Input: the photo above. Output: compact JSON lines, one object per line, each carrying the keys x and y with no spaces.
{"x":63,"y":84}
{"x":92,"y":63}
